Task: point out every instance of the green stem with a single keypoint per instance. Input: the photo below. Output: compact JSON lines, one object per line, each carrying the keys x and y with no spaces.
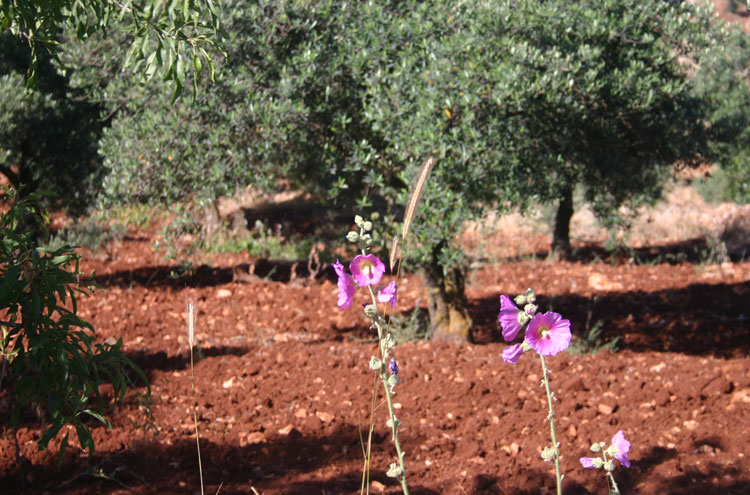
{"x":551,"y":418}
{"x":382,"y":337}
{"x":615,"y":488}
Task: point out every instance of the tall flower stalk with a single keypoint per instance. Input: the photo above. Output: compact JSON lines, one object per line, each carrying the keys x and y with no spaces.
{"x":547,"y":334}
{"x":367,"y":271}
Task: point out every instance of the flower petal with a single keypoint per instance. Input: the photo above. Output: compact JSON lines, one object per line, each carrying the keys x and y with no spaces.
{"x":512,"y":353}
{"x":548,"y":333}
{"x":345,"y":285}
{"x":508,"y":318}
{"x":367,"y":269}
{"x":389,"y":294}
{"x":623,"y":447}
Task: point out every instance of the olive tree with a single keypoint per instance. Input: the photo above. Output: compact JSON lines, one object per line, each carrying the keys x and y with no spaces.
{"x":522,"y":101}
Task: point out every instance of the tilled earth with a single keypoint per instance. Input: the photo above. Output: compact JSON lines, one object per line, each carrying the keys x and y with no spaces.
{"x":284,"y":389}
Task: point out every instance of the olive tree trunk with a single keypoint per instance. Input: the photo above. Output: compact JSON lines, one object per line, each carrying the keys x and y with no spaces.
{"x":560,"y":249}
{"x":447,"y":304}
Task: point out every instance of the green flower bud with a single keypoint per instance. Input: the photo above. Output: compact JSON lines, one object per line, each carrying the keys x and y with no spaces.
{"x":548,"y":453}
{"x":596,"y":447}
{"x":371,"y":311}
{"x":530,"y":309}
{"x":359,"y":221}
{"x":367,"y":226}
{"x":394,"y":471}
{"x":520,"y":300}
{"x":523,"y":318}
{"x":375,"y":363}
{"x":609,"y":465}
{"x":352,"y":236}
{"x":530,"y":295}
{"x":599,"y":462}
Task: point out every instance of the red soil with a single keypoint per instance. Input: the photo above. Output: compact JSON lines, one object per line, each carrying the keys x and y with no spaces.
{"x":283,"y":385}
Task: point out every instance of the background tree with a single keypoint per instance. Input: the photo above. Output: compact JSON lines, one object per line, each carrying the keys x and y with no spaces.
{"x":519,"y":103}
{"x":347,"y":100}
{"x":48,"y":138}
{"x":723,"y":82}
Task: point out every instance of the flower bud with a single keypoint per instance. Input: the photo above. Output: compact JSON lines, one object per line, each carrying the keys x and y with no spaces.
{"x":520,"y":300}
{"x":596,"y":447}
{"x":367,"y":226}
{"x":609,"y":465}
{"x":548,"y":453}
{"x":523,"y":318}
{"x":352,"y":236}
{"x":530,"y":295}
{"x":530,"y":309}
{"x":371,"y":311}
{"x":359,"y":221}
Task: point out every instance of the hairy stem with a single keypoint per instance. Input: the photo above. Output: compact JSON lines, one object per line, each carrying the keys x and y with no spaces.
{"x":551,"y":418}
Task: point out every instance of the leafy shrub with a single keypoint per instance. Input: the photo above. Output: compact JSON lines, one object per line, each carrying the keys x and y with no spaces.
{"x":50,"y":359}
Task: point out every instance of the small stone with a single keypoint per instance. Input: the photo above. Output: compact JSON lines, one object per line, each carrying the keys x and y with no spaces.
{"x":324,"y":416}
{"x":223,"y":293}
{"x":255,"y":437}
{"x":572,"y":432}
{"x":300,"y":413}
{"x":514,"y":448}
{"x":605,"y":409}
{"x":657,"y":367}
{"x":690,"y":424}
{"x":377,"y":487}
{"x":228,"y":383}
{"x":286,"y":430}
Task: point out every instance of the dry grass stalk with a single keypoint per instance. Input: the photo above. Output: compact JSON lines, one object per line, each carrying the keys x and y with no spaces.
{"x":411,"y":207}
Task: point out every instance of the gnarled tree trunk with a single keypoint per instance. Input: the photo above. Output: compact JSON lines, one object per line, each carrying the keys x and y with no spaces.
{"x":560,"y":249}
{"x":447,"y":304}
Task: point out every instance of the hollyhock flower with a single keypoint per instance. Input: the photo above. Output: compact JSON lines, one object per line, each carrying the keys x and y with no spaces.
{"x":508,"y":318}
{"x":345,"y":285}
{"x":512,"y":353}
{"x":621,"y":448}
{"x":389,"y":294}
{"x":367,"y":269}
{"x":548,"y":333}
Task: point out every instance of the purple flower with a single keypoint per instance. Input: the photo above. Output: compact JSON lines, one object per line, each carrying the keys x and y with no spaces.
{"x":508,"y":318}
{"x":548,"y":333}
{"x":389,"y":294}
{"x":588,"y":462}
{"x":393,"y":367}
{"x":345,"y":285}
{"x":367,"y":269}
{"x":622,"y":447}
{"x":512,"y":353}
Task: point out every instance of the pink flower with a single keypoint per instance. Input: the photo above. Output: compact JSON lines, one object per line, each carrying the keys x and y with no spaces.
{"x":345,"y":285}
{"x":508,"y":318}
{"x":548,"y":333}
{"x":389,"y":294}
{"x":588,"y":462}
{"x":622,"y":447}
{"x":512,"y":353}
{"x":367,"y":269}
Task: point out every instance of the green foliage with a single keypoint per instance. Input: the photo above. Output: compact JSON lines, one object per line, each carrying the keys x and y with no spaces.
{"x":410,"y":327}
{"x":169,"y":36}
{"x":592,"y":342}
{"x":89,"y":232}
{"x":49,"y":356}
{"x":261,"y":242}
{"x":48,"y":137}
{"x":723,"y":82}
